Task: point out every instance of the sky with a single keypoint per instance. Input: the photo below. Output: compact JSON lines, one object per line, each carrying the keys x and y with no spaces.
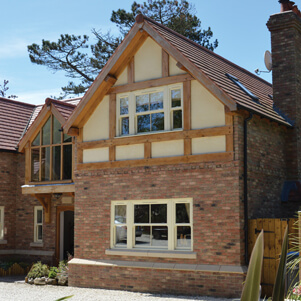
{"x":239,"y":26}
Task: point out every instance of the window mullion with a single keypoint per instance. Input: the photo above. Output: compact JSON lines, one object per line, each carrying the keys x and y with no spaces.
{"x":171,"y":225}
{"x":130,"y":225}
{"x":132,"y":110}
{"x":166,"y":108}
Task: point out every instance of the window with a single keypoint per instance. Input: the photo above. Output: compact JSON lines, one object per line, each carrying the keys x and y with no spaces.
{"x":1,"y":222}
{"x":51,"y":153}
{"x":152,"y":224}
{"x":38,"y":224}
{"x":151,"y":110}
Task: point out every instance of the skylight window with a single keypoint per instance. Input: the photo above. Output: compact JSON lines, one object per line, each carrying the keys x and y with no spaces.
{"x":241,"y":86}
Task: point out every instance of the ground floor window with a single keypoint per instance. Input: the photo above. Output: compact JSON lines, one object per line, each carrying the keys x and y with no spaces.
{"x":38,"y":224}
{"x":1,"y":222}
{"x":152,"y":224}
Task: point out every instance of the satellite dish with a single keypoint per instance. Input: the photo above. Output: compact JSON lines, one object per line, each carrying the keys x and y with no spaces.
{"x":268,"y":60}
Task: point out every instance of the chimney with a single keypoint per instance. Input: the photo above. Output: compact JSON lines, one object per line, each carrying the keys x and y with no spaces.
{"x":285,"y":28}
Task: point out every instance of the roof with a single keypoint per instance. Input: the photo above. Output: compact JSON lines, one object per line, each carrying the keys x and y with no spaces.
{"x":14,"y":117}
{"x":209,"y":68}
{"x":61,"y":109}
{"x":216,"y":68}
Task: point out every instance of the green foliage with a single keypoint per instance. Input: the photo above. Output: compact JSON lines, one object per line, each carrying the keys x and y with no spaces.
{"x":251,"y":288}
{"x":279,"y":286}
{"x":64,"y":298}
{"x":82,"y":61}
{"x":52,"y":272}
{"x":38,"y":270}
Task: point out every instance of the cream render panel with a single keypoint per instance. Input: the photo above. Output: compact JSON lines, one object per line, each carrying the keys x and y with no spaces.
{"x":130,"y":152}
{"x":206,"y":110}
{"x":173,"y":69}
{"x":96,"y":155}
{"x":168,"y":148}
{"x":207,"y":145}
{"x":148,"y":61}
{"x":97,"y":127}
{"x":122,"y":78}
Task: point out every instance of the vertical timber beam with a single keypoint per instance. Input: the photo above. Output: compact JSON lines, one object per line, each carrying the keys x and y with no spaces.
{"x":112,"y":125}
{"x":131,"y":71}
{"x":229,"y":138}
{"x":165,"y":63}
{"x":147,"y":150}
{"x":45,"y":200}
{"x":187,"y":115}
{"x":80,"y":150}
{"x":27,"y":163}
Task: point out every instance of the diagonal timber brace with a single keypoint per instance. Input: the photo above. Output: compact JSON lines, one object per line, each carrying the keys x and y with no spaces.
{"x":45,"y":200}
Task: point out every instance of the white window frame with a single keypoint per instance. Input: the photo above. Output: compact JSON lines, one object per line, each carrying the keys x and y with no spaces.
{"x":171,"y":223}
{"x":36,"y":224}
{"x":132,"y":114}
{"x":1,"y":222}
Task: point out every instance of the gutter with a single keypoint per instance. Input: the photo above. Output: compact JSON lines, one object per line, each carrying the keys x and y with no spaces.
{"x":246,"y":120}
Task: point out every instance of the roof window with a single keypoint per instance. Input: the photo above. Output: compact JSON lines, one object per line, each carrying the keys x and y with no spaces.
{"x":241,"y":86}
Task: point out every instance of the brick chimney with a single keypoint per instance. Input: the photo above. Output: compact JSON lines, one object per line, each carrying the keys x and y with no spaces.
{"x":285,"y":28}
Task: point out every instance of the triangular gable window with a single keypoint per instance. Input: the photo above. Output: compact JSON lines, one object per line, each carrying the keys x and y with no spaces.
{"x":51,"y":153}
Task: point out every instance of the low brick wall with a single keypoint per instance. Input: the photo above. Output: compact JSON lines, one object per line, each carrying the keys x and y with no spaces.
{"x":157,"y":280}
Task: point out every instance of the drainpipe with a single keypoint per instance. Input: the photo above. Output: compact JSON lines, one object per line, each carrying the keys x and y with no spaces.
{"x":246,"y":184}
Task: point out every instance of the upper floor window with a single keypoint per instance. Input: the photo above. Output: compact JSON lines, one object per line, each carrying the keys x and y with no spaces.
{"x":51,"y":153}
{"x":151,"y":110}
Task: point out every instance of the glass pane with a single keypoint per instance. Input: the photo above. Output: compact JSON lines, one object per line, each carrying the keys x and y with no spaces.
{"x":120,"y":214}
{"x":156,"y":101}
{"x":175,"y":98}
{"x":143,"y":123}
{"x":160,"y":236}
{"x":67,"y":162}
{"x":36,"y":141}
{"x":124,"y":106}
{"x":125,"y":126}
{"x":184,"y":237}
{"x":35,"y":164}
{"x":120,"y":235}
{"x":177,"y":119}
{"x":40,"y":232}
{"x":67,"y":138}
{"x":39,"y":216}
{"x":158,"y":122}
{"x":45,"y":164}
{"x":141,"y":213}
{"x":56,"y":163}
{"x":159,"y":214}
{"x":142,"y":103}
{"x":142,"y":236}
{"x":182,"y":213}
{"x":56,"y":133}
{"x":46,"y":133}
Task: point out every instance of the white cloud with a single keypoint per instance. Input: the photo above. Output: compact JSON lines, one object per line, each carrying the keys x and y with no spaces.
{"x":12,"y":49}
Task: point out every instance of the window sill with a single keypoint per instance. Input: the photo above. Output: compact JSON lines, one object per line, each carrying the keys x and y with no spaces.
{"x":3,"y":241}
{"x":152,"y":253}
{"x":36,"y":244}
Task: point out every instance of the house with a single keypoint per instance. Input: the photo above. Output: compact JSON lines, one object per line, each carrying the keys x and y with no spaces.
{"x":169,"y":153}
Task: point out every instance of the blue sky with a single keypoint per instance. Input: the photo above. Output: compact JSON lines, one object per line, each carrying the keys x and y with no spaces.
{"x":239,"y":26}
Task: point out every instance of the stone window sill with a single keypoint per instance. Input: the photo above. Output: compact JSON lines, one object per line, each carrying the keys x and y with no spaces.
{"x":3,"y":242}
{"x":152,"y":253}
{"x":36,"y":244}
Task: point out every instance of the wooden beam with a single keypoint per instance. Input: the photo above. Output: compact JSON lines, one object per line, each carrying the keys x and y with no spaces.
{"x":208,"y":83}
{"x":147,"y":150}
{"x":175,"y":135}
{"x":180,"y":66}
{"x":112,"y":153}
{"x":45,"y":200}
{"x":229,"y":137}
{"x":187,"y":147}
{"x":79,"y":150}
{"x":112,"y":116}
{"x":73,"y":132}
{"x":165,"y":63}
{"x":110,"y":79}
{"x":187,"y":104}
{"x":48,"y":189}
{"x":27,"y":163}
{"x":57,"y":114}
{"x":131,"y":71}
{"x":216,"y":157}
{"x":151,"y":83}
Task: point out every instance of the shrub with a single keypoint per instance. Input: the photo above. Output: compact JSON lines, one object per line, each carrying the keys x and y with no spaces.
{"x":38,"y":270}
{"x":52,"y":272}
